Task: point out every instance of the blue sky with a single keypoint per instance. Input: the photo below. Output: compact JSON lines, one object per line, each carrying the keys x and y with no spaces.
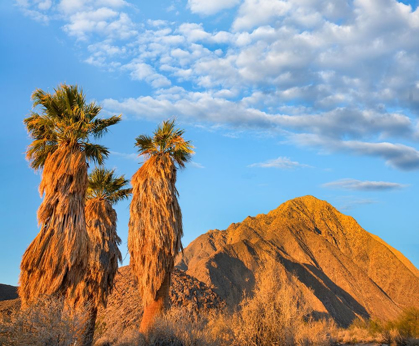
{"x":281,"y":98}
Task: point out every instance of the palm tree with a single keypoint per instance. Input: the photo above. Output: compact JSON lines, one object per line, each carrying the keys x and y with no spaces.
{"x":155,"y":226}
{"x":105,"y":189}
{"x":57,"y":259}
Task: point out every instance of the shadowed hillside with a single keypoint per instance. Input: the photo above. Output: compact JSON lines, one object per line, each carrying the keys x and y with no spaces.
{"x":344,"y":271}
{"x":7,"y":292}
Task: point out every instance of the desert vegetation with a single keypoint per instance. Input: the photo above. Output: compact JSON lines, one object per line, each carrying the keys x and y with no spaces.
{"x":276,"y":313}
{"x":47,"y":321}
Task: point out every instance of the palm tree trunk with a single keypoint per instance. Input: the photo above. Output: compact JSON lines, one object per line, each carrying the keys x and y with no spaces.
{"x":89,"y":330}
{"x":156,"y":307}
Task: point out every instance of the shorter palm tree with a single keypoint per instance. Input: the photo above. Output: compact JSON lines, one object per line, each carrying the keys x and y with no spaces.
{"x":155,"y":226}
{"x":104,"y":190}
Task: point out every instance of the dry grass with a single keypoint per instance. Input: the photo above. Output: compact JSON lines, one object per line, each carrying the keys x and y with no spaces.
{"x":47,"y":322}
{"x":155,"y":226}
{"x":402,"y":331}
{"x":276,"y":314}
{"x":56,"y":260}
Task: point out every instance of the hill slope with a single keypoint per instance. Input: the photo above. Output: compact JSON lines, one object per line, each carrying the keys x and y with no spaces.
{"x":7,"y":292}
{"x":344,"y":270}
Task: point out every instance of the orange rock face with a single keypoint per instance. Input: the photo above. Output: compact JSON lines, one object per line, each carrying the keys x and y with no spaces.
{"x":344,"y":271}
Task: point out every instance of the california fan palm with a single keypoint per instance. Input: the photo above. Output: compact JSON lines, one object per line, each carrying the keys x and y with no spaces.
{"x":56,"y":261}
{"x":105,"y":189}
{"x":155,"y":226}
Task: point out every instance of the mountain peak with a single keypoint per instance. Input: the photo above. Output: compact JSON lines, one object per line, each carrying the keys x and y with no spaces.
{"x":305,"y":204}
{"x":349,"y":272}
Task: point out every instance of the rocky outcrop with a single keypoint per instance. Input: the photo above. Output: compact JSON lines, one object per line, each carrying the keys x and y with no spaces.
{"x":124,"y":309}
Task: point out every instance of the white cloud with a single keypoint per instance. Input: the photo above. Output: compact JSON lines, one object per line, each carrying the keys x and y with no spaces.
{"x":338,"y":76}
{"x":206,"y":7}
{"x":71,"y":6}
{"x":193,"y":32}
{"x":397,"y":155}
{"x":142,"y":71}
{"x":281,"y":163}
{"x":358,"y":185}
{"x":259,"y":12}
{"x":196,"y":165}
{"x":103,"y":22}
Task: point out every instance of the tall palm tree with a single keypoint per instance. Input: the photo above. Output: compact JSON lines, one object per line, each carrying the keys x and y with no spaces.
{"x":105,"y":189}
{"x":155,"y":226}
{"x":57,"y":259}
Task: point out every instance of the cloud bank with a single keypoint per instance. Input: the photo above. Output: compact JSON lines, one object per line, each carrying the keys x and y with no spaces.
{"x":334,"y":76}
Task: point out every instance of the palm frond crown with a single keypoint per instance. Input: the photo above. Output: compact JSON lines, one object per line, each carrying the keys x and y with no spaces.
{"x":166,"y":140}
{"x":105,"y":184}
{"x":65,"y":119}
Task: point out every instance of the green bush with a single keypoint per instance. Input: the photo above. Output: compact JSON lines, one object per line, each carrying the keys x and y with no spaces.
{"x":407,"y":324}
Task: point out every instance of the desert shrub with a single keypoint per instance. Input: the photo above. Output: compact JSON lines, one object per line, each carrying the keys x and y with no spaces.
{"x":180,"y":327}
{"x":373,"y":326}
{"x":277,"y":314}
{"x":407,"y":324}
{"x":177,"y":327}
{"x":362,"y":331}
{"x":45,"y":322}
{"x":356,"y":334}
{"x":402,"y":331}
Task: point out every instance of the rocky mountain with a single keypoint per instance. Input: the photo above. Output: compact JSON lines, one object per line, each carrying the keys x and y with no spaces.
{"x":345,"y":271}
{"x":7,"y":292}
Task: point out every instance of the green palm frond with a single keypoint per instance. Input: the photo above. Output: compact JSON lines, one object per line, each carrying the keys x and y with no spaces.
{"x":166,"y":140}
{"x":103,"y":183}
{"x":96,"y":152}
{"x":65,"y":119}
{"x":101,"y":125}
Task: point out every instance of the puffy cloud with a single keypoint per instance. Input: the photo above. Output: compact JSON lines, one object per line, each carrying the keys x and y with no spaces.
{"x":193,"y":32}
{"x":103,"y":21}
{"x":358,"y":185}
{"x":210,"y":7}
{"x":142,"y":71}
{"x":337,"y":76}
{"x":254,"y":13}
{"x":214,"y":107}
{"x":281,"y":163}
